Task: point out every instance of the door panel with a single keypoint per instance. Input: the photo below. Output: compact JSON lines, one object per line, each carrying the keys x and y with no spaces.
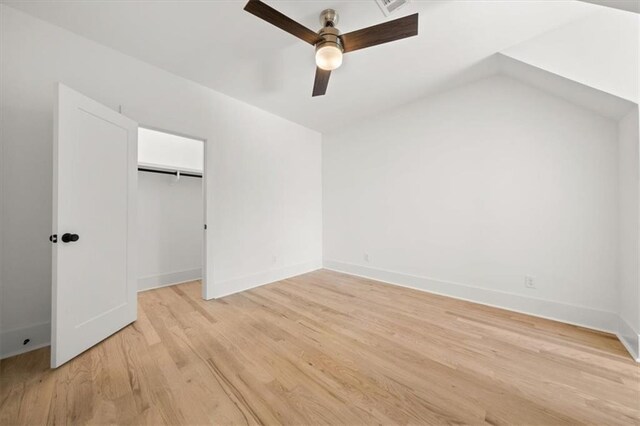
{"x":95,"y":181}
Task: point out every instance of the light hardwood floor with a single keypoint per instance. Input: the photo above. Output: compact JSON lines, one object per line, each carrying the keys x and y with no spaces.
{"x":328,"y":348}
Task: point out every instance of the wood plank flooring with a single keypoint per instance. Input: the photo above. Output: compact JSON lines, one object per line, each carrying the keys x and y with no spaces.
{"x":328,"y":348}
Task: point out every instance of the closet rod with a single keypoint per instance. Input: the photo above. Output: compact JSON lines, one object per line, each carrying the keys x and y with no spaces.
{"x":169,"y":172}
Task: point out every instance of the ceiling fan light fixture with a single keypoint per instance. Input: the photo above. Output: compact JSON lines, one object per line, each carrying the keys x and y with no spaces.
{"x":329,"y":43}
{"x":328,"y":56}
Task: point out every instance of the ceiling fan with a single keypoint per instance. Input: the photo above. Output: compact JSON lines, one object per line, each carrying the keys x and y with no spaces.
{"x":329,"y":43}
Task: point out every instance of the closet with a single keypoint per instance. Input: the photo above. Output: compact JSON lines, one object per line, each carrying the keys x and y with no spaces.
{"x":170,"y":209}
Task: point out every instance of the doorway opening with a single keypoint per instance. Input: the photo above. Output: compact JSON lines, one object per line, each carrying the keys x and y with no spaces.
{"x":171,"y":210}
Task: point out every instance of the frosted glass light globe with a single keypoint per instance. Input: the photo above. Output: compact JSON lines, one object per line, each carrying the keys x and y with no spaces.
{"x":329,"y":57}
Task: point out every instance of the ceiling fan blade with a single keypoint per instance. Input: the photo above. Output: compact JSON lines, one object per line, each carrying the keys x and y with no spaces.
{"x":272,"y":16}
{"x":321,"y":82}
{"x":382,"y":33}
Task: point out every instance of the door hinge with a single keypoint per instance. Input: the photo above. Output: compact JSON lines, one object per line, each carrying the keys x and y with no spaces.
{"x":205,"y":226}
{"x":53,"y":238}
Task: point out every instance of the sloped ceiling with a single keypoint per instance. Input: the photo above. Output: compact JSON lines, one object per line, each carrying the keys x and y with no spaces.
{"x":601,"y":51}
{"x":588,"y":97}
{"x":222,"y":47}
{"x":626,"y":5}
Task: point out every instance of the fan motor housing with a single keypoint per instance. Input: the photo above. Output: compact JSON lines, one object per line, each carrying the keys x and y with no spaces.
{"x":331,"y":36}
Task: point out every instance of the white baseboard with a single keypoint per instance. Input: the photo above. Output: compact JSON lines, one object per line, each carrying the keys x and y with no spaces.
{"x":12,"y":341}
{"x":630,"y":338}
{"x":221,"y":289}
{"x":163,"y":280}
{"x":571,"y":314}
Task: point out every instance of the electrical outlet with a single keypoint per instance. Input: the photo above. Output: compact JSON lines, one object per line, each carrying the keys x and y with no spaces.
{"x":366,"y":257}
{"x":274,"y":259}
{"x":529,"y":282}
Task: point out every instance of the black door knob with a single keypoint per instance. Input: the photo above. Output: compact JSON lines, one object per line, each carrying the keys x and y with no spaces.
{"x":70,"y":238}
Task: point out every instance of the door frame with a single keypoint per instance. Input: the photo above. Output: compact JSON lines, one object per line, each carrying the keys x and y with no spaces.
{"x":205,"y":242}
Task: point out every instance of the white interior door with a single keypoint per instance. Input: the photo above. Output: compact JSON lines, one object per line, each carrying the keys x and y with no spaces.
{"x":94,"y":199}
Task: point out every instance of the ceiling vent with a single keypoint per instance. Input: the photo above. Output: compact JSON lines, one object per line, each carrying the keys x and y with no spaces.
{"x":390,"y":6}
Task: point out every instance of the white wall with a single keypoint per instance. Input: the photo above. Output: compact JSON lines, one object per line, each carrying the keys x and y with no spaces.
{"x":263,"y":194}
{"x":468,"y":192}
{"x":170,"y":229}
{"x":629,"y":253}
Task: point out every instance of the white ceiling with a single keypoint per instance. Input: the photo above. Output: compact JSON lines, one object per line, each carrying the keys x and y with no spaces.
{"x":601,"y":51}
{"x":217,"y":44}
{"x":627,"y":5}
